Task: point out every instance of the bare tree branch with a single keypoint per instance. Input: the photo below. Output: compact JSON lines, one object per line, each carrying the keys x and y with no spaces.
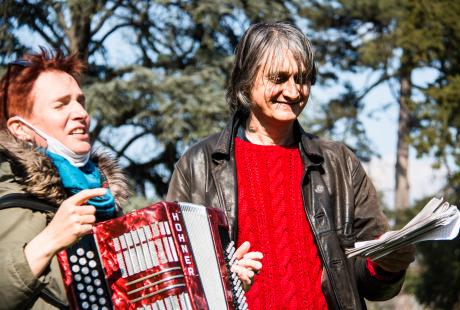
{"x":131,"y":141}
{"x":98,"y":44}
{"x":384,"y":77}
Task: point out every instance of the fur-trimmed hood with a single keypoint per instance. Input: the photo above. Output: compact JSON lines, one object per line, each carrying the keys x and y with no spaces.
{"x":39,"y":177}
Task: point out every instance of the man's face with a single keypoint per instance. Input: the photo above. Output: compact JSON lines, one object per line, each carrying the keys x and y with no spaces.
{"x":280,"y":95}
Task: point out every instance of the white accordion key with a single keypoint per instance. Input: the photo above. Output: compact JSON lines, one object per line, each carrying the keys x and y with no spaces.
{"x":167,"y":249}
{"x":160,"y":251}
{"x":155,"y":229}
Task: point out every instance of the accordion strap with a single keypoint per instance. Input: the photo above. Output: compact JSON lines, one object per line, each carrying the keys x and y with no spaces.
{"x":51,"y":299}
{"x":26,"y":201}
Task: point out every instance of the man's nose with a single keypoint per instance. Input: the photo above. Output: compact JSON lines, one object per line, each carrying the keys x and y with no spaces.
{"x":291,"y":90}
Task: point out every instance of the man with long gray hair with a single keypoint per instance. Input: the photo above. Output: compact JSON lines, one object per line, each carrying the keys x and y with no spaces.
{"x":298,"y":199}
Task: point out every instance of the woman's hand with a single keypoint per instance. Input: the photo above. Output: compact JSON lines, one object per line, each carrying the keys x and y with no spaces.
{"x":248,"y":264}
{"x":72,"y":220}
{"x":398,"y":260}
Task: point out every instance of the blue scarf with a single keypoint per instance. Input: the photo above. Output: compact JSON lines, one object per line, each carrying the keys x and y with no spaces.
{"x":76,"y":179}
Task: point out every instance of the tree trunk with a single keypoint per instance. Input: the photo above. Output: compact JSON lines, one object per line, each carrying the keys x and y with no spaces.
{"x":404,"y":127}
{"x":80,"y":32}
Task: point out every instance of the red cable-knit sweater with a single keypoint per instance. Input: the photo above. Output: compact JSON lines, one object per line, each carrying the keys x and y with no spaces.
{"x":271,"y":217}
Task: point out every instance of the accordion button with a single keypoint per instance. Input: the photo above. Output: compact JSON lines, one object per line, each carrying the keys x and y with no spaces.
{"x":85,"y":305}
{"x":83,"y":296}
{"x":92,"y":263}
{"x":100,"y":291}
{"x":77,"y":277}
{"x":75,"y":268}
{"x":80,"y":286}
{"x":73,"y":259}
{"x":97,"y":282}
{"x":92,"y":298}
{"x":90,"y":254}
{"x":87,"y":280}
{"x":90,"y":288}
{"x":95,"y":273}
{"x":82,"y":261}
{"x":80,"y":252}
{"x":85,"y":270}
{"x":102,"y":301}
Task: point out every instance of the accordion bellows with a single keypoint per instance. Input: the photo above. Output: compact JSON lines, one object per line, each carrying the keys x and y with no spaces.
{"x":166,"y":256}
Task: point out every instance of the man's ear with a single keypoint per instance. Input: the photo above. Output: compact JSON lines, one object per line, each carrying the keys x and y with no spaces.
{"x":18,"y":129}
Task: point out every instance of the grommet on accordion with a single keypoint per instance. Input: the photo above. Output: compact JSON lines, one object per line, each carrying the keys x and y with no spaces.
{"x":166,"y":256}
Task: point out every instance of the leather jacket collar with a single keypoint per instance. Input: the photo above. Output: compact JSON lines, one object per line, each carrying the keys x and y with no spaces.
{"x":308,"y":144}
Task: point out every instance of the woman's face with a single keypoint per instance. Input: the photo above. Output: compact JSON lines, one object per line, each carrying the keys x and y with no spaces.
{"x":59,"y":110}
{"x":280,"y":96}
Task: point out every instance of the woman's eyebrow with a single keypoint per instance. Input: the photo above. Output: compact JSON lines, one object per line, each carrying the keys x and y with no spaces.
{"x":68,"y":97}
{"x":62,"y":98}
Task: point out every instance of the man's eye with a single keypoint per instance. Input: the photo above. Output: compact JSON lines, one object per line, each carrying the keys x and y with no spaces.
{"x":278,"y":78}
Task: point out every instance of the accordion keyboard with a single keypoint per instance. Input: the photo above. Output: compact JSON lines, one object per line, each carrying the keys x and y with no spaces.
{"x":91,"y":289}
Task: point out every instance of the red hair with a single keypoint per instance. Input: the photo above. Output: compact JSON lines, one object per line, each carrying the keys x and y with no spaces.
{"x":17,"y":84}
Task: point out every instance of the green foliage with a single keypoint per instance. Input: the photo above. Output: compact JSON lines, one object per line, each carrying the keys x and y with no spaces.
{"x":438,"y":285}
{"x":438,"y":118}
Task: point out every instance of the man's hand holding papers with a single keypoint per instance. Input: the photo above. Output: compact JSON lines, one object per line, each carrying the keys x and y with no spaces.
{"x":438,"y":220}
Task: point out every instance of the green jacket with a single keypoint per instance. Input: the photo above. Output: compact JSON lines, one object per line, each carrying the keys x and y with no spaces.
{"x":26,"y":172}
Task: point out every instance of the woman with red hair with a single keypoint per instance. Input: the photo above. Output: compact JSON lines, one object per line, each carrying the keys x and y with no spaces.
{"x":46,"y":164}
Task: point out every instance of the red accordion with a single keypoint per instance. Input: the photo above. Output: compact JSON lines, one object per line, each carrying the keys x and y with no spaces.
{"x":165,"y":256}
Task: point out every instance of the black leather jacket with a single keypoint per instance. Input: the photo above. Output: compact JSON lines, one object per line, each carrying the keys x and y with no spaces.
{"x":339,"y":199}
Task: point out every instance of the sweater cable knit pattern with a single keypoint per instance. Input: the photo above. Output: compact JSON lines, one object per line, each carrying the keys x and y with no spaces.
{"x":271,"y":217}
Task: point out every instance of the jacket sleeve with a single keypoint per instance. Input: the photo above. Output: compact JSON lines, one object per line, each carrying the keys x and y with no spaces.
{"x":179,"y":185}
{"x":18,"y":286}
{"x":369,"y":224}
